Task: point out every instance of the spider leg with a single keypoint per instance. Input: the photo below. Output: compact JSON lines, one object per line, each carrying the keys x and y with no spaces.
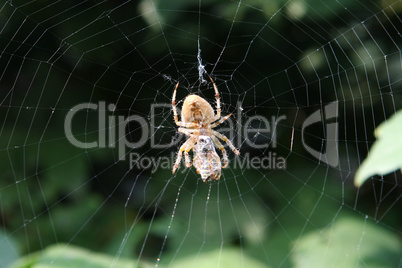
{"x":188,"y":132}
{"x":225,"y":139}
{"x":186,"y":147}
{"x":218,"y":102}
{"x":193,"y":133}
{"x":176,"y":117}
{"x":220,"y":121}
{"x":220,"y":146}
{"x":188,"y":124}
{"x":187,"y":158}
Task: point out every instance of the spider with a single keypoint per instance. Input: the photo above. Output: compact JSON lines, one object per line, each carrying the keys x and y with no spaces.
{"x":198,"y":121}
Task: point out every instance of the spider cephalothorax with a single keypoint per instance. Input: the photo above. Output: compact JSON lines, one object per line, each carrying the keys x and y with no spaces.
{"x":198,"y":121}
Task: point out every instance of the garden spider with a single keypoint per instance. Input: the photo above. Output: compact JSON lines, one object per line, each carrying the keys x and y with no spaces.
{"x":198,"y":121}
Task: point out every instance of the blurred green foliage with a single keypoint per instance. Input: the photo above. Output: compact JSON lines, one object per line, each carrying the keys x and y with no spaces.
{"x":349,"y":242}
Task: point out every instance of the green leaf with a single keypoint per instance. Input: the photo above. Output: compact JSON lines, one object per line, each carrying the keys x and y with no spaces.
{"x":226,"y":257}
{"x":349,"y":242}
{"x":8,"y":250}
{"x":63,"y":256}
{"x":385,"y":155}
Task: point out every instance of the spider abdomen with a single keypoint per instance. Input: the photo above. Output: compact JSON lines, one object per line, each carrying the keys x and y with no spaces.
{"x":196,"y":109}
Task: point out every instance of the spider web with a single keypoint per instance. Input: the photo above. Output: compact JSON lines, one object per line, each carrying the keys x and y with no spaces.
{"x":88,"y":138}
